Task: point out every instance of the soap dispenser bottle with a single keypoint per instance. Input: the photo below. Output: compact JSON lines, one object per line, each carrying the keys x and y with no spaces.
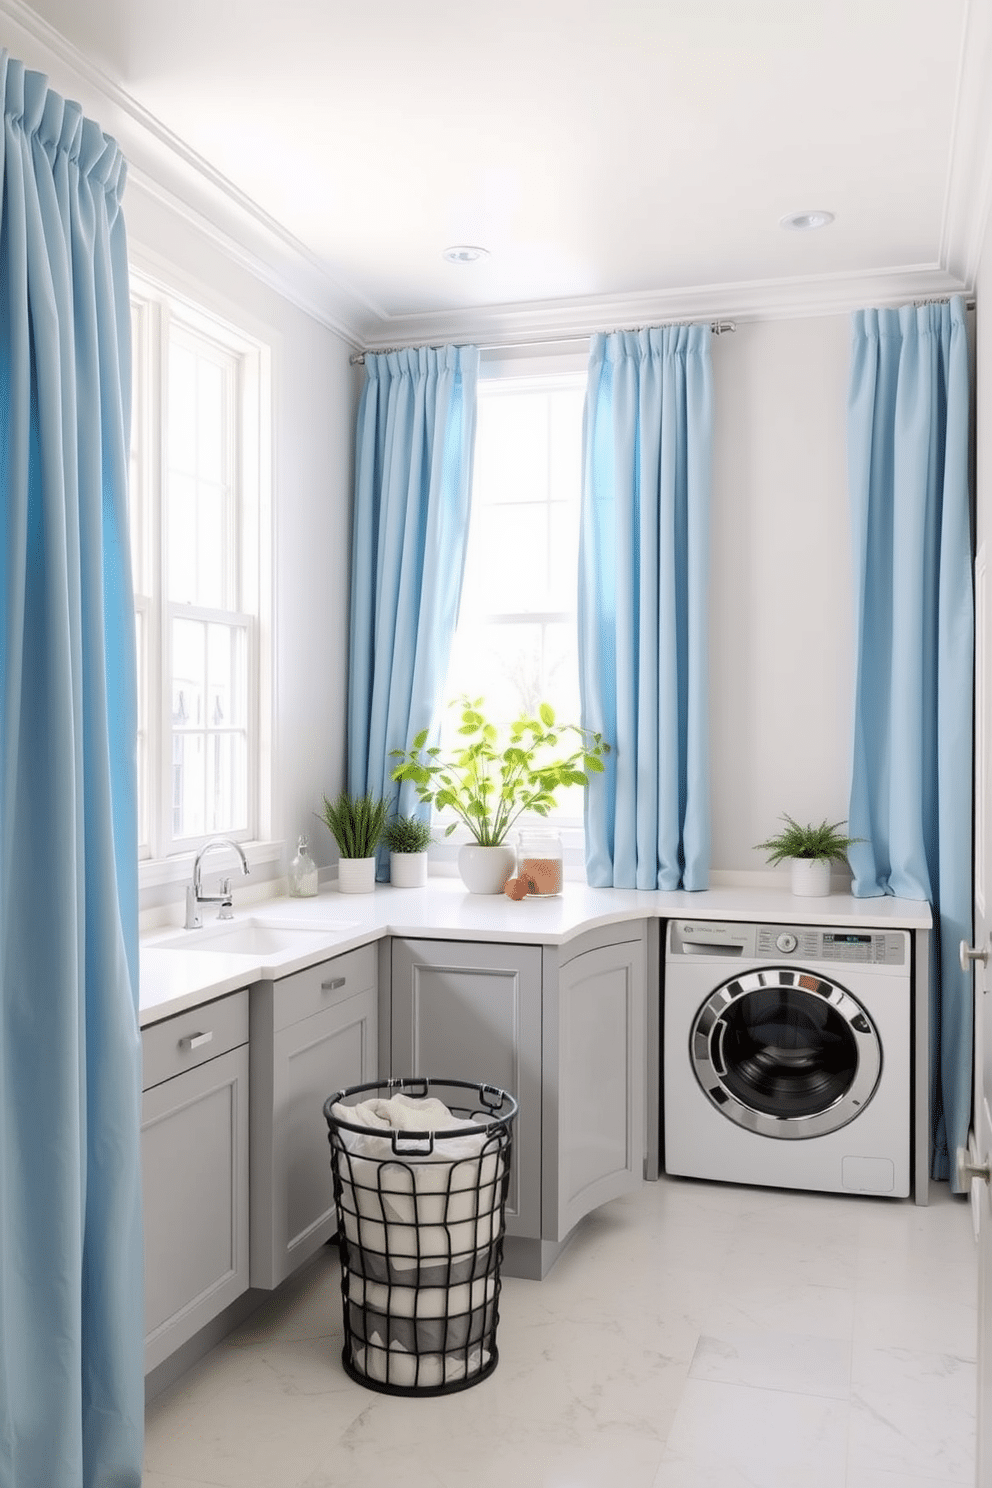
{"x":303,"y":873}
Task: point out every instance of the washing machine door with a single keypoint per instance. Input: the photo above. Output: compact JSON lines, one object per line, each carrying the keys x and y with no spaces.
{"x":786,"y":1053}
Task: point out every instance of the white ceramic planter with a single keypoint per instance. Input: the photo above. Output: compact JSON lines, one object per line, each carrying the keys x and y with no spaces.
{"x":356,"y":875}
{"x":408,"y":870}
{"x":484,"y":870}
{"x":810,"y":877}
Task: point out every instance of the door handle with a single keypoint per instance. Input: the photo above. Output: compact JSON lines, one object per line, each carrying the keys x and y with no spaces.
{"x":967,"y":1168}
{"x":967,"y":954}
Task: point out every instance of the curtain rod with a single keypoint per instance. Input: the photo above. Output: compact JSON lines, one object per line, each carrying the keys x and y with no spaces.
{"x":718,"y":327}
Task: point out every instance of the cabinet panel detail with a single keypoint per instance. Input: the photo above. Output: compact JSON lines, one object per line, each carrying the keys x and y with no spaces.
{"x":598,"y":1092}
{"x":294,"y":1069}
{"x":194,"y":1151}
{"x":468,"y":1011}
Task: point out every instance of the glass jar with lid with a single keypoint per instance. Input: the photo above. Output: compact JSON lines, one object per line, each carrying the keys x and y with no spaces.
{"x":539,"y":861}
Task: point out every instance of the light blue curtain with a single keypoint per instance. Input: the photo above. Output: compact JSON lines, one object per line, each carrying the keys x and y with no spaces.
{"x":643,"y":566}
{"x":912,"y":764}
{"x":414,"y":447}
{"x":71,"y":1292}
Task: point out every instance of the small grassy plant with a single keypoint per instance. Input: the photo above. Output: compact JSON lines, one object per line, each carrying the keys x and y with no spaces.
{"x":356,"y":822}
{"x":407,"y":834}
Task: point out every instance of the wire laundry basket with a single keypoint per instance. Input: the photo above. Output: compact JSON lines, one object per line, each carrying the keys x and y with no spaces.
{"x":421,"y":1221}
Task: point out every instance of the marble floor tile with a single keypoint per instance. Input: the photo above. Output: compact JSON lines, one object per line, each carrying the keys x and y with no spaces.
{"x":798,"y":1363}
{"x":913,"y":1412}
{"x":693,"y":1335}
{"x":751,"y":1438}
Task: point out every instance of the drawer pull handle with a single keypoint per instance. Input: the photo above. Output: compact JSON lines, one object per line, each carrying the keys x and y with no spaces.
{"x":196,"y":1040}
{"x":333,"y":984}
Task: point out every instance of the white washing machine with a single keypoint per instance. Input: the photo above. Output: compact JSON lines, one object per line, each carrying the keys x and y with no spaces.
{"x":787,"y":1055}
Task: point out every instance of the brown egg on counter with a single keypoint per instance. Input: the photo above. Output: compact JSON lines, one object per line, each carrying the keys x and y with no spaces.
{"x":515,"y":888}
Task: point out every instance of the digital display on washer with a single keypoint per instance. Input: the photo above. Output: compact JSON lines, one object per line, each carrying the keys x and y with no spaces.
{"x":846,"y":940}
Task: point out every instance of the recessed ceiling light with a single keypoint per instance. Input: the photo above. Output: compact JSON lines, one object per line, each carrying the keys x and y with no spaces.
{"x":806,"y":221}
{"x":462,"y":253}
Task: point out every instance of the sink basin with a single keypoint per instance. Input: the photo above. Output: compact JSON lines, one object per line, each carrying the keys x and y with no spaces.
{"x":255,"y":938}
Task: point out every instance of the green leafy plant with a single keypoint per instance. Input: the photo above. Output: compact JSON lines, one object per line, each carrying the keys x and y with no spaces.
{"x":809,"y":841}
{"x":490,"y":780}
{"x":357,"y":823}
{"x":407,"y":834}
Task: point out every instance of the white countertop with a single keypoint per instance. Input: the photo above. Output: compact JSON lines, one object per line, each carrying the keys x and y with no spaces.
{"x":175,"y":979}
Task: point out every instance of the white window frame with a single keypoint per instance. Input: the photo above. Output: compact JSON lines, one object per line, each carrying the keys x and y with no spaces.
{"x":158,"y":304}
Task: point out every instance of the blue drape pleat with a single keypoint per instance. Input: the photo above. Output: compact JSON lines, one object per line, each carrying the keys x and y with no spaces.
{"x":414,"y":447}
{"x":643,"y":567}
{"x":911,"y":789}
{"x":71,"y":1288}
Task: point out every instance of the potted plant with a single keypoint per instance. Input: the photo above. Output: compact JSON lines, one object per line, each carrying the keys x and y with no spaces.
{"x":809,"y":850}
{"x":357,"y":824}
{"x":408,"y":839}
{"x":490,"y":778}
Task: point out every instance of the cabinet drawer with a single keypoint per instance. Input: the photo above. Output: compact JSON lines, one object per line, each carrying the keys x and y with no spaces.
{"x":317,"y":987}
{"x":191,"y":1038}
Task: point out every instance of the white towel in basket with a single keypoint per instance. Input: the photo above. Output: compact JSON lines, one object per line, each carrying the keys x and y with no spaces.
{"x":436,"y":1200}
{"x":402,"y":1368}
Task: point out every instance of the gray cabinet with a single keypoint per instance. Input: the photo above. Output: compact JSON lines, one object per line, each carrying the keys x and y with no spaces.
{"x":594,"y":1080}
{"x":194,"y":1155}
{"x":312,"y":1033}
{"x":564,"y":1030}
{"x":465,"y":1011}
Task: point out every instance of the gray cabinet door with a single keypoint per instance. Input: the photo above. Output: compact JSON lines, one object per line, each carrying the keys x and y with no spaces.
{"x":465,"y":1011}
{"x":194,"y":1156}
{"x":295,"y":1068}
{"x":593,"y":1083}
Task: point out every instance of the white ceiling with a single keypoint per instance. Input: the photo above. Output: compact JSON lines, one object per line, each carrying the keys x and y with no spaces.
{"x":622,"y":160}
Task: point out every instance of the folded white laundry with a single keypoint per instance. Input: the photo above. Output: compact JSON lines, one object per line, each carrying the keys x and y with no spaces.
{"x":394,"y":1366}
{"x":421,"y":1302}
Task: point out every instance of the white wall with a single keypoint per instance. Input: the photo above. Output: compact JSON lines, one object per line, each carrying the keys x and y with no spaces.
{"x":781,"y":640}
{"x":313,"y":406}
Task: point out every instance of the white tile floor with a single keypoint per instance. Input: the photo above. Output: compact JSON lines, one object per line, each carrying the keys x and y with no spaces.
{"x":693,"y":1335}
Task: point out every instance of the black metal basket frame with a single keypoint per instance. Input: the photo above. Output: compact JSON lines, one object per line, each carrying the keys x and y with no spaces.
{"x":420,"y":1296}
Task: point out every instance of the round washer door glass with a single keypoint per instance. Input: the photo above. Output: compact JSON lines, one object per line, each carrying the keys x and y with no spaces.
{"x":785,"y":1053}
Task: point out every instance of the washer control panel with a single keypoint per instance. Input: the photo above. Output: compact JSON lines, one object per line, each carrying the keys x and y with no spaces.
{"x":730,"y":938}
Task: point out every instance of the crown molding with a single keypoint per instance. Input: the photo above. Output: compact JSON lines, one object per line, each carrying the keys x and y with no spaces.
{"x":169,"y":171}
{"x":755,"y":300}
{"x":969,"y":173}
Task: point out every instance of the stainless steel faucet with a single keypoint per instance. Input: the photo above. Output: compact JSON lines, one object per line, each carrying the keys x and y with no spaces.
{"x":194,"y":893}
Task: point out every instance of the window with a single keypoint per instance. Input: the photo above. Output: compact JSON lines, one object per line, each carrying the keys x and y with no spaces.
{"x":197,"y":494}
{"x":516,"y":643}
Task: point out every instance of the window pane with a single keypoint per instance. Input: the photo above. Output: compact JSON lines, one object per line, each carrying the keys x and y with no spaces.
{"x":511,"y":445}
{"x":209,"y":727}
{"x":182,"y":408}
{"x":228,"y":804}
{"x":211,"y":585}
{"x":516,"y":644}
{"x":188,"y":679}
{"x":509,"y":560}
{"x":182,"y":583}
{"x":187,"y":785}
{"x":212,"y":422}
